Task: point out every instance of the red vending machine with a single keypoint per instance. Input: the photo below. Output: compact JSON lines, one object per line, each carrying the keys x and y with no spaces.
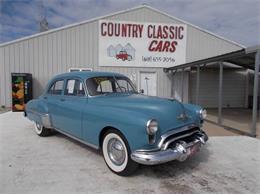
{"x":21,"y":90}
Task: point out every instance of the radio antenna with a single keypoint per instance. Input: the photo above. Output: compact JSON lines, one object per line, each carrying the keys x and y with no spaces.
{"x":44,"y":26}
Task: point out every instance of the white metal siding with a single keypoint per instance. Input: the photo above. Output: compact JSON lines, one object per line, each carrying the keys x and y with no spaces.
{"x":55,"y":52}
{"x":234,"y":88}
{"x":177,"y":86}
{"x":2,"y":78}
{"x":202,"y":45}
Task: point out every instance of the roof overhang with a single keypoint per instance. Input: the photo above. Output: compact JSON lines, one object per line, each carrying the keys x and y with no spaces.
{"x":244,"y":57}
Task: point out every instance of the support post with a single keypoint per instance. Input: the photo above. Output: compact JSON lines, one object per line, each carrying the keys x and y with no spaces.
{"x":255,"y":93}
{"x":220,"y":93}
{"x":182,"y":84}
{"x":172,"y":84}
{"x":197,"y":84}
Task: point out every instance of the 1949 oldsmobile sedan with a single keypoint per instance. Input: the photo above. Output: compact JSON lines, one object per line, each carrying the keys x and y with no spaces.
{"x":104,"y":111}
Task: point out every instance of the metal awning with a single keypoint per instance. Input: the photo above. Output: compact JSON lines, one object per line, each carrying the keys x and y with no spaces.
{"x":248,"y":58}
{"x":244,"y":58}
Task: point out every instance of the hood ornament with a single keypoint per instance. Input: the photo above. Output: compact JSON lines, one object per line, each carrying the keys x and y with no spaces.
{"x":182,"y":116}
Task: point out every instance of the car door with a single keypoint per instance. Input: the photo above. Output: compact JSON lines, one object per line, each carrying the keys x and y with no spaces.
{"x":53,"y":98}
{"x":72,"y":104}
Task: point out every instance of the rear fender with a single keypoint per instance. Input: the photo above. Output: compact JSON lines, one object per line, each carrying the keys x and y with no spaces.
{"x":37,"y":111}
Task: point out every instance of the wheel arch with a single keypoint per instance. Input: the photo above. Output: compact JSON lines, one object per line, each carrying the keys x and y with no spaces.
{"x":103,"y":132}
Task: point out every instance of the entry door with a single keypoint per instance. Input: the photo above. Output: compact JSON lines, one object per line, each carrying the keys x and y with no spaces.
{"x":148,"y":83}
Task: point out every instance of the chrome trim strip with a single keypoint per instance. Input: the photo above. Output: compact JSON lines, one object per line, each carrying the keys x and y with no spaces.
{"x":174,"y":131}
{"x":149,"y":150}
{"x":34,"y":111}
{"x":77,"y":139}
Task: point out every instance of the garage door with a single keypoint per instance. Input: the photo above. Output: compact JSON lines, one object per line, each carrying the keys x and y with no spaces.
{"x":234,"y":88}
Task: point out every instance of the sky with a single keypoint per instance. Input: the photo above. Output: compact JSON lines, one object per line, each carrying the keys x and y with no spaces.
{"x":237,"y":20}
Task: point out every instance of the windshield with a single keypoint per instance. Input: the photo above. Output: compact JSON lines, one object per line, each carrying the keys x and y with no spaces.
{"x":108,"y":84}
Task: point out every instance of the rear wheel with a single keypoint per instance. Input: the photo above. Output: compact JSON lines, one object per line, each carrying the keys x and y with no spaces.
{"x":41,"y":130}
{"x":116,"y":153}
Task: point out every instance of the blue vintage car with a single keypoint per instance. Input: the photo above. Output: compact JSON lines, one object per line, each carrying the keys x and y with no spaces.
{"x":104,"y":111}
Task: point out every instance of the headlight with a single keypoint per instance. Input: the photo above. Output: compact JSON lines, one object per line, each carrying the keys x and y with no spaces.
{"x":152,"y":127}
{"x":203,"y":113}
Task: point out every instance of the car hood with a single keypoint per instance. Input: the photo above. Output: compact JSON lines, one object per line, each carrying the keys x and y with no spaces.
{"x":167,"y":112}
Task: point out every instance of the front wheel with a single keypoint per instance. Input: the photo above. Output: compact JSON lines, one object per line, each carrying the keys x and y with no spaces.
{"x":41,"y":130}
{"x":116,"y":153}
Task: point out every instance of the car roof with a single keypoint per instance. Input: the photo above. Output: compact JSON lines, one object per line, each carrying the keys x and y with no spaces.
{"x":87,"y":74}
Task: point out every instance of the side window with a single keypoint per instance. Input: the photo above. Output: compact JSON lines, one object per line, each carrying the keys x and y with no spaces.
{"x":56,"y":88}
{"x":74,"y":87}
{"x":123,"y":85}
{"x":105,"y":87}
{"x":51,"y":89}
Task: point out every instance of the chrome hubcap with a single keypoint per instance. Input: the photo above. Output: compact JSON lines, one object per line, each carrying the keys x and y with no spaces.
{"x":38,"y":126}
{"x":116,"y":151}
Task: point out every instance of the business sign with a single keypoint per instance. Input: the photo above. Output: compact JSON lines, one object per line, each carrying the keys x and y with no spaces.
{"x":141,"y":44}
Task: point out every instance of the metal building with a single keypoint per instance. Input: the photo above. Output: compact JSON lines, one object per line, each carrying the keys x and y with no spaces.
{"x":130,"y":44}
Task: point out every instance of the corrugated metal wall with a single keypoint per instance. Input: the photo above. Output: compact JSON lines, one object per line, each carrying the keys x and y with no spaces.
{"x":202,"y":45}
{"x":234,"y":88}
{"x":55,"y":52}
{"x":177,"y":86}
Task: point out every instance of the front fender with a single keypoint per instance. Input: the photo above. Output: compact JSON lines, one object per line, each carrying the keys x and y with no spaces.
{"x":193,"y":111}
{"x":130,"y":123}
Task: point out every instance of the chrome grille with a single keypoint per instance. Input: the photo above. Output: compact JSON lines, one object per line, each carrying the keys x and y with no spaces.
{"x":173,"y":136}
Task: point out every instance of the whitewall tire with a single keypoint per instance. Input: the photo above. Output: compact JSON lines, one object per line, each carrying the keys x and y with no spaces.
{"x":41,"y":130}
{"x":116,"y":153}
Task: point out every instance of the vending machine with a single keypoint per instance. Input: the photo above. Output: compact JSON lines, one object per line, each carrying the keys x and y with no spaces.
{"x":21,"y":90}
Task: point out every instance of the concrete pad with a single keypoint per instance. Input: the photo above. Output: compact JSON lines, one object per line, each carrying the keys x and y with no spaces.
{"x":236,"y":118}
{"x":57,"y":164}
{"x":3,"y":110}
{"x":216,"y":130}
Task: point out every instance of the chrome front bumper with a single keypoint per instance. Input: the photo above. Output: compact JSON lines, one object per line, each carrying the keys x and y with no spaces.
{"x":180,"y":151}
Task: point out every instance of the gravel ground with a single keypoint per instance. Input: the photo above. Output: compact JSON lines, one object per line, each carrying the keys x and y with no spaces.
{"x":57,"y":164}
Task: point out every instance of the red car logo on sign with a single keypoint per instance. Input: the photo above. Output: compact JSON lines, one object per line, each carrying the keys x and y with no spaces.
{"x":123,"y":55}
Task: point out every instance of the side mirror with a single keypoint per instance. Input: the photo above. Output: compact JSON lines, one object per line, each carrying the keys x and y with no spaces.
{"x":141,"y":91}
